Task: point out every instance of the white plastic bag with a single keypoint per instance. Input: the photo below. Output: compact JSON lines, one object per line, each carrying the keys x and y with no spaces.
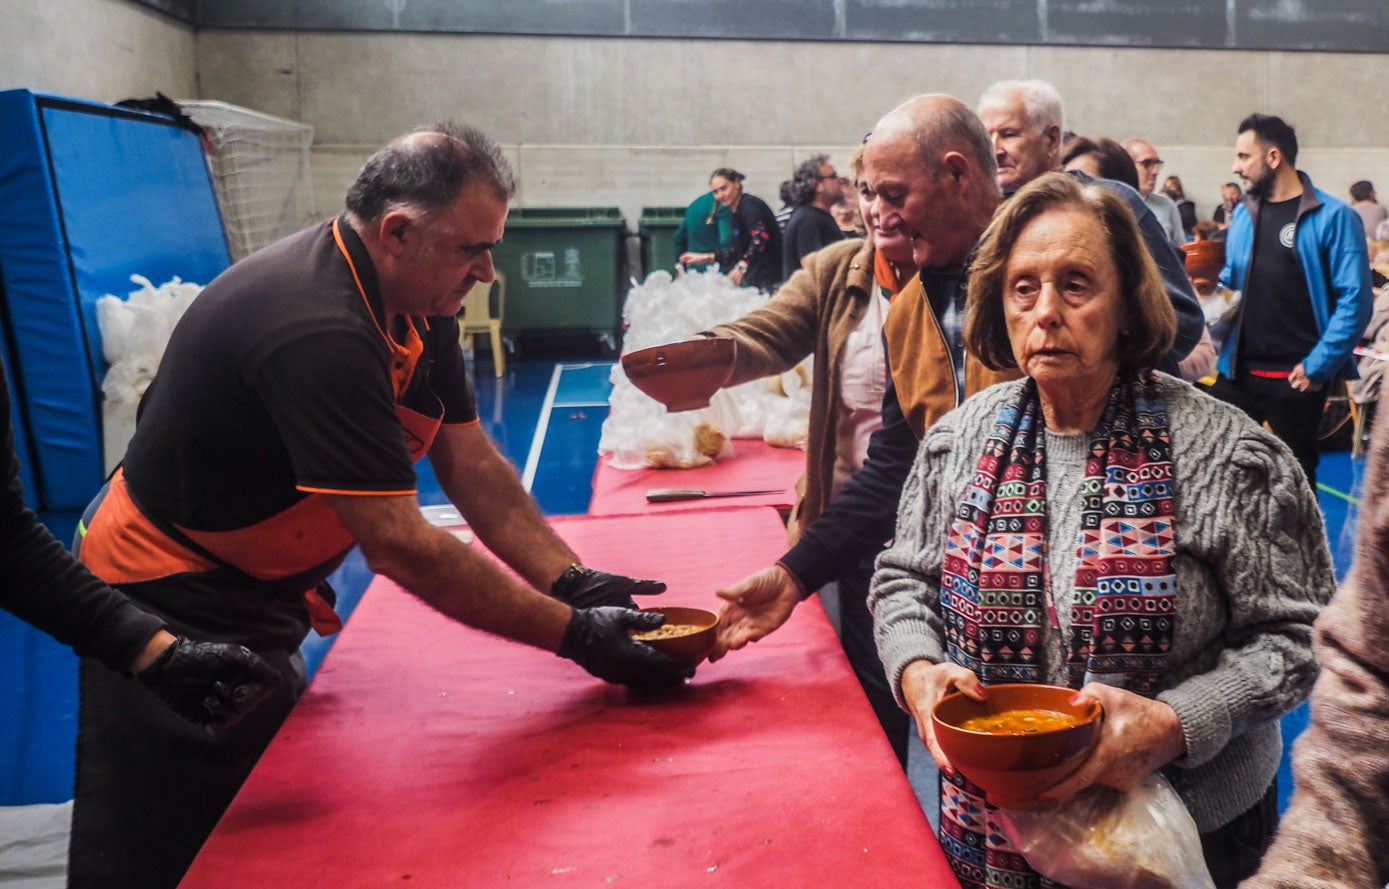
{"x":135,"y":331}
{"x":639,"y":432}
{"x":1103,"y":838}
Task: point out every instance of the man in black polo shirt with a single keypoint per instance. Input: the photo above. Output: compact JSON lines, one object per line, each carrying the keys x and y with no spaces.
{"x":291,"y":403}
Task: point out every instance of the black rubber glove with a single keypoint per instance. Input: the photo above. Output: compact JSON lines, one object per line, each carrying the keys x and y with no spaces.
{"x":585,"y":588}
{"x":212,"y":684}
{"x":597,"y":640}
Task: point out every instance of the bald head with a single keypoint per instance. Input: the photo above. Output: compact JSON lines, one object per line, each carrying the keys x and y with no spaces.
{"x":939,"y":124}
{"x":928,"y":171}
{"x":1145,"y":158}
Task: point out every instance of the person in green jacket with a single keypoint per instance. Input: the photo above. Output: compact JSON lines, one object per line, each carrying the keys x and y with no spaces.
{"x":705,"y":229}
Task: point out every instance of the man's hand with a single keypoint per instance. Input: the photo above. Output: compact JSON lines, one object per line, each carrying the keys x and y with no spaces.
{"x":923,"y":685}
{"x":212,"y":684}
{"x":583,"y":587}
{"x":597,"y":639}
{"x":1299,"y":380}
{"x":757,"y":605}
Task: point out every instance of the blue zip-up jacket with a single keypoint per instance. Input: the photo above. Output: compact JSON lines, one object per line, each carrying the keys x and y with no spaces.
{"x":1335,"y":261}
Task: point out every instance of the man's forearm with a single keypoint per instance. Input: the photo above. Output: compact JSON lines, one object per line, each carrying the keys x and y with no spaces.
{"x":461,"y":582}
{"x":487,"y":490}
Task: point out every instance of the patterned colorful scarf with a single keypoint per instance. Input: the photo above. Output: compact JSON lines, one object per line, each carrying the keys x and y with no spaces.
{"x":996,"y":590}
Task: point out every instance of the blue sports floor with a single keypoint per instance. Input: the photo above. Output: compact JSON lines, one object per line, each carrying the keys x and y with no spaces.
{"x":546,"y":417}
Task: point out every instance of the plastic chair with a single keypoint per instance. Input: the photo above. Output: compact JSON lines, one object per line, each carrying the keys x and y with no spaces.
{"x":477,"y":318}
{"x":1359,"y":416}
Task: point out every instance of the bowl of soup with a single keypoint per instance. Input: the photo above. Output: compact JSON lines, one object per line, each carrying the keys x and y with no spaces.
{"x":688,"y":633}
{"x":1020,"y":741}
{"x":683,"y":375}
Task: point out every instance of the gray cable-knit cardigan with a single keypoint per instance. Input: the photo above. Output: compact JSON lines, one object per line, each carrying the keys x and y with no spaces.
{"x":1253,"y":571}
{"x":1335,"y":834}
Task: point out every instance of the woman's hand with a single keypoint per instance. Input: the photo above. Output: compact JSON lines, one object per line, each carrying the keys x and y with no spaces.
{"x":1139,"y":737}
{"x":735,"y":274}
{"x":923,"y":685}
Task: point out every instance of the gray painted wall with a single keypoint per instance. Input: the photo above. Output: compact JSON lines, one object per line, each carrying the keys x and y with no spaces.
{"x":1338,"y":25}
{"x":105,"y":50}
{"x":632,"y":123}
{"x":636,"y":122}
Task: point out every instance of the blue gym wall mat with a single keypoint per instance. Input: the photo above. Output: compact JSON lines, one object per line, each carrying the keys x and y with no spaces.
{"x":91,"y":195}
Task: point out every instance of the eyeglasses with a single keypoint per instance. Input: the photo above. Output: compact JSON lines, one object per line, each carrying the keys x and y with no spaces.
{"x":830,"y":176}
{"x":1151,"y":163}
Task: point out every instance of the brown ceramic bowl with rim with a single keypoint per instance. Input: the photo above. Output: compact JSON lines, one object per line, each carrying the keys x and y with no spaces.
{"x":697,"y":628}
{"x":1204,"y":259}
{"x":683,"y":375}
{"x":1013,"y":769}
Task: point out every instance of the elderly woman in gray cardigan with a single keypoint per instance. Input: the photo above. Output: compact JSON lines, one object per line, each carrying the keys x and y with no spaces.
{"x":1103,"y":526}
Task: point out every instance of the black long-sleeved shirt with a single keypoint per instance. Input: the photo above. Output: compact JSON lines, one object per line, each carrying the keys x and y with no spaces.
{"x":44,"y":585}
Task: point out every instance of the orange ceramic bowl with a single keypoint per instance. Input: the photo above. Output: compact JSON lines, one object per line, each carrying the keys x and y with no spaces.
{"x":1204,"y":259}
{"x":684,"y":375}
{"x":697,"y":631}
{"x":1014,"y":769}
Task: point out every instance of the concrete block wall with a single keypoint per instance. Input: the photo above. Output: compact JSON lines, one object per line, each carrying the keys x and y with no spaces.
{"x":106,"y":50}
{"x":633,"y":123}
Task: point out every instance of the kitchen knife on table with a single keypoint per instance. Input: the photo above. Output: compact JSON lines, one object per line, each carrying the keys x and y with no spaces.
{"x":672,"y":495}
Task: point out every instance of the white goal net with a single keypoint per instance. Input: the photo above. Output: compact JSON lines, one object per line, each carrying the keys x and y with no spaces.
{"x":260,"y":171}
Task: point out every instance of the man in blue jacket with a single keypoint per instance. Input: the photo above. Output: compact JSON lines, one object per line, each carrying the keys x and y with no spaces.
{"x":1299,"y":258}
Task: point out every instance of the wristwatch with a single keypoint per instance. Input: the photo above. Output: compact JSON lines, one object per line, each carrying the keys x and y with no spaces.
{"x":571,"y":577}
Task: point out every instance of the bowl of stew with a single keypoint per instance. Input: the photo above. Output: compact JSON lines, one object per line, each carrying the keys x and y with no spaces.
{"x":688,"y":633}
{"x":1022,"y":740}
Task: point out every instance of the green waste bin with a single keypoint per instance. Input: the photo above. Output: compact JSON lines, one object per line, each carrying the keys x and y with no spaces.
{"x":564,"y":270}
{"x":657,"y":231}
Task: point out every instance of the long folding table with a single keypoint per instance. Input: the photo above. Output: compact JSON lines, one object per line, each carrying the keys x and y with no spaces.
{"x":755,"y":465}
{"x":427,"y":754}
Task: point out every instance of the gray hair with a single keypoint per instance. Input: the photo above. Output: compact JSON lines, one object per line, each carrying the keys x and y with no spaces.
{"x":800,"y":188}
{"x":1040,"y":101}
{"x":426,"y":170}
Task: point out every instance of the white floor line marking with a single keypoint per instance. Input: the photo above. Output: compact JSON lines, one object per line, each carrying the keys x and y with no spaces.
{"x":581,"y":404}
{"x":542,"y":424}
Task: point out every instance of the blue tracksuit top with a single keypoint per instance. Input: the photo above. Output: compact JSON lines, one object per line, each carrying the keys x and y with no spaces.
{"x":1334,"y":257}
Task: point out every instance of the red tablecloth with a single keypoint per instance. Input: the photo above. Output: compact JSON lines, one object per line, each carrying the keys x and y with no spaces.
{"x":426,"y":754}
{"x":756,"y":466}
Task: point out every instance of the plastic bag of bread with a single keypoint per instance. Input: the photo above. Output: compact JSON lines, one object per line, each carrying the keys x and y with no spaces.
{"x":640,"y":433}
{"x":1103,"y":838}
{"x":787,"y":422}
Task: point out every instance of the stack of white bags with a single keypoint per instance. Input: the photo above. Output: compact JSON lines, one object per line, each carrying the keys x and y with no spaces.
{"x":640,"y":432}
{"x":134,"y":333}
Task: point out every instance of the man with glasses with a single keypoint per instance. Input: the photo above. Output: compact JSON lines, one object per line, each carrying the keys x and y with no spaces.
{"x":813,"y":189}
{"x":1145,"y":157}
